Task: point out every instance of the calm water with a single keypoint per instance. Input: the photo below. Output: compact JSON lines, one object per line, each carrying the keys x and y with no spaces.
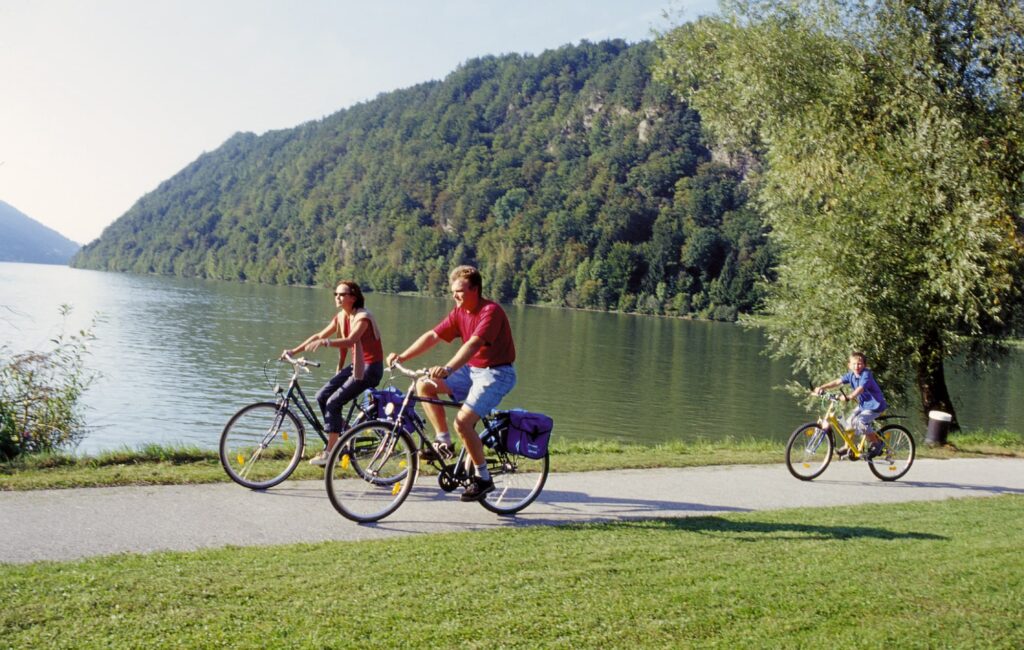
{"x":178,"y":357}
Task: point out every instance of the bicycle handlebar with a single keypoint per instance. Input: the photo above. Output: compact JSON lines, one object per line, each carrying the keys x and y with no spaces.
{"x":832,"y":397}
{"x":301,"y":362}
{"x":422,"y":373}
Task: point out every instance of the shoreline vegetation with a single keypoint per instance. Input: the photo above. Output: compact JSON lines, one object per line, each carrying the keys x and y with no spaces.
{"x":155,"y":464}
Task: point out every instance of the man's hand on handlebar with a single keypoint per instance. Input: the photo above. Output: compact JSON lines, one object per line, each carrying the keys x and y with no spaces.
{"x":439,"y":372}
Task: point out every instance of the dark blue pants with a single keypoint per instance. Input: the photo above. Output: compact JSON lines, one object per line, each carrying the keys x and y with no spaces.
{"x":342,"y":389}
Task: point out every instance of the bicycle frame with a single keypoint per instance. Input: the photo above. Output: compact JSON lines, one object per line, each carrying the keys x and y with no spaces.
{"x":295,"y":396}
{"x":830,"y":422}
{"x":411,"y":396}
{"x":450,"y":474}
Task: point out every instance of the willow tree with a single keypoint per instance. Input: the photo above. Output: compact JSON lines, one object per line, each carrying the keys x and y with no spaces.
{"x":889,"y":141}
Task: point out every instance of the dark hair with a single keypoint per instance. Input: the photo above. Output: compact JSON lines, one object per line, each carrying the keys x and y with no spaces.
{"x":860,"y":355}
{"x":468,"y":273}
{"x":354,"y":288}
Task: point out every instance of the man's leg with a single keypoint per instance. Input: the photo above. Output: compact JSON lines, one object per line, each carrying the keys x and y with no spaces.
{"x":489,"y":386}
{"x":442,"y":447}
{"x":465,"y":425}
{"x":435,"y":412}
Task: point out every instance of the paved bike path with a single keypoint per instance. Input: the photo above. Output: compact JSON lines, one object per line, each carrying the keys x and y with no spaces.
{"x":77,"y":523}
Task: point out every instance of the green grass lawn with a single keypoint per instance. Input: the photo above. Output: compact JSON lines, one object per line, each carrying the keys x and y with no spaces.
{"x":156,"y":464}
{"x":917,"y":575}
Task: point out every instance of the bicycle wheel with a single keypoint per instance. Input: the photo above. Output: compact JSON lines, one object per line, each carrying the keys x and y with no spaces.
{"x":261,"y":445}
{"x":808,"y":452}
{"x":898,"y":455}
{"x":518,"y":481}
{"x":365,"y":443}
{"x":370,"y":471}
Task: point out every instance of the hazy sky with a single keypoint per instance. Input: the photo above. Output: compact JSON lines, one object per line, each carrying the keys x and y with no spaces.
{"x":101,"y":100}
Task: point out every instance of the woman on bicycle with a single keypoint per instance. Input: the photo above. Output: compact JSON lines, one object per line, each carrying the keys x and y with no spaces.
{"x":353,"y":327}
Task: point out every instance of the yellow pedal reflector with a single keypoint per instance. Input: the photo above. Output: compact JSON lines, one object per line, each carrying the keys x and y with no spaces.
{"x":241,"y":459}
{"x":397,"y":488}
{"x":806,"y":465}
{"x":344,"y":462}
{"x":284,"y":434}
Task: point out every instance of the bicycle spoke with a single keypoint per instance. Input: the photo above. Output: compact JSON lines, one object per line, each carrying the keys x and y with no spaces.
{"x":258,"y":455}
{"x":370,"y":472}
{"x":898,"y":455}
{"x":518,"y":481}
{"x":808,"y":452}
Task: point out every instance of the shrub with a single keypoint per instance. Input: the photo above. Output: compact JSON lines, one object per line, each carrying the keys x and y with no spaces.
{"x":39,"y":395}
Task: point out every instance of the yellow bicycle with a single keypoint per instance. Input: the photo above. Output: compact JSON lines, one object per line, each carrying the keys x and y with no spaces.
{"x":810,"y":448}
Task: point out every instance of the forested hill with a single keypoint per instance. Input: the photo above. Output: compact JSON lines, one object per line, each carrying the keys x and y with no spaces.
{"x":569,"y":178}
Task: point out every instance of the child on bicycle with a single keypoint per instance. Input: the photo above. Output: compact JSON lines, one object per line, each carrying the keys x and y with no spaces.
{"x":870,"y":402}
{"x":355,"y":329}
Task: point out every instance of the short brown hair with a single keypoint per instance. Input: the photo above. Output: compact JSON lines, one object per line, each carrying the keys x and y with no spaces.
{"x":468,"y":273}
{"x":354,"y":288}
{"x":860,"y":355}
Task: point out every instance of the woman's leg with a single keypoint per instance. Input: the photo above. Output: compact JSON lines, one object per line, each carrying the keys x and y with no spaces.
{"x":349,"y":390}
{"x":331,"y":409}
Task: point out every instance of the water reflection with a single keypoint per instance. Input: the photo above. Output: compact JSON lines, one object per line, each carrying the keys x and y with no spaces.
{"x":178,"y":357}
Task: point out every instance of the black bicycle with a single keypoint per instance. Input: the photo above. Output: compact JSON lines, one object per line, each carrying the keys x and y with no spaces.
{"x":372,"y":469}
{"x":262,"y":443}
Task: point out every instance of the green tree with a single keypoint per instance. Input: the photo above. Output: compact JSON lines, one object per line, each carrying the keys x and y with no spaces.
{"x":889,"y":137}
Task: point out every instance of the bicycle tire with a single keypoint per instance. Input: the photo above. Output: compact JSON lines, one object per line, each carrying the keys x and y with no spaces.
{"x":518,"y":481}
{"x":898,"y":455}
{"x":371,"y":488}
{"x":809,"y":451}
{"x":256,"y":449}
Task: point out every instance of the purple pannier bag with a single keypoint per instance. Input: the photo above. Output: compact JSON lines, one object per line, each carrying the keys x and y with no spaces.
{"x":528,"y":434}
{"x":391,"y":396}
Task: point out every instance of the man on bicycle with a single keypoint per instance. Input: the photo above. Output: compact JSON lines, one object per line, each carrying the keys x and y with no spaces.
{"x":479,"y":375}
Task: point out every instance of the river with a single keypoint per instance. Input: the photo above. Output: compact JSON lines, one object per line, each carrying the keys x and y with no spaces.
{"x":177,"y":357}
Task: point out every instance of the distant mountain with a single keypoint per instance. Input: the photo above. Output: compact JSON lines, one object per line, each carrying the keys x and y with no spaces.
{"x":23,"y":239}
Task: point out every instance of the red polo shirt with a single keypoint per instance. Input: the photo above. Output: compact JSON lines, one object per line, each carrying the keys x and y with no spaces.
{"x":490,"y":323}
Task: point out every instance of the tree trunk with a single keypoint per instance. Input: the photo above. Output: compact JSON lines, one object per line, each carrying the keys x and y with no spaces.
{"x":931,"y":379}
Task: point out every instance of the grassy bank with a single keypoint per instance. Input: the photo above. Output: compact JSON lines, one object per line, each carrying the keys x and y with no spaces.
{"x":914,"y":575}
{"x":163,"y":465}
